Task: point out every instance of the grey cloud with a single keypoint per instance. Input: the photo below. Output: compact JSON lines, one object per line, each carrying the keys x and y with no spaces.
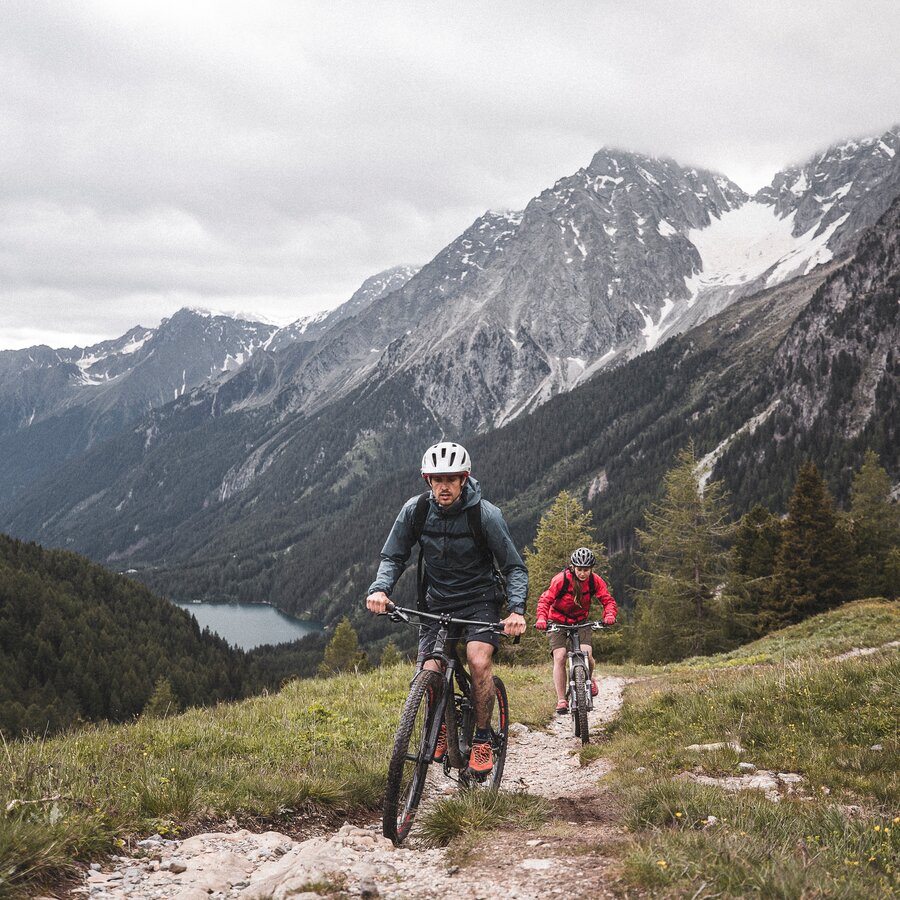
{"x":281,"y":152}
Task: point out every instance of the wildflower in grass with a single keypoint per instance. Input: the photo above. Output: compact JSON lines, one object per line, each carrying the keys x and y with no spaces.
{"x":678,"y":815}
{"x":662,"y":864}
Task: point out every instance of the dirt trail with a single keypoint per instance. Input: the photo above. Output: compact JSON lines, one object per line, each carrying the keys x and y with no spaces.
{"x":358,"y":862}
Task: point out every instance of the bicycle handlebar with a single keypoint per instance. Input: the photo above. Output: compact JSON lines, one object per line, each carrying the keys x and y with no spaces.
{"x":402,"y":614}
{"x":558,"y":626}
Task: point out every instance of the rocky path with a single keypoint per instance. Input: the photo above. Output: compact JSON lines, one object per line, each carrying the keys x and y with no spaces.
{"x":565,"y":855}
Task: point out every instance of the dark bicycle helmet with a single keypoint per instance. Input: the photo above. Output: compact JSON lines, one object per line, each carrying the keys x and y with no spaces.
{"x":582,"y":557}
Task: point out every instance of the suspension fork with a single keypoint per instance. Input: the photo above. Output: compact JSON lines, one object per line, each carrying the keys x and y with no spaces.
{"x":445,"y":692}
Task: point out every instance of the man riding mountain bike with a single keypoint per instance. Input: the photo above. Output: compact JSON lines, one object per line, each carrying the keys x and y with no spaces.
{"x":460,"y":536}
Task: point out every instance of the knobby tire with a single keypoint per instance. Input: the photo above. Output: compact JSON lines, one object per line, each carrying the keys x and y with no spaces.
{"x":580,"y":710}
{"x":500,"y":732}
{"x":411,"y":756}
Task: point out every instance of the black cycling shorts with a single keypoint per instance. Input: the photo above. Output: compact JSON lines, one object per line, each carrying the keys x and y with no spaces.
{"x":480,"y":610}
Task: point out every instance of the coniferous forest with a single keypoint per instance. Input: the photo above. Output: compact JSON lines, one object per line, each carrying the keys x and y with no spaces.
{"x":79,"y":643}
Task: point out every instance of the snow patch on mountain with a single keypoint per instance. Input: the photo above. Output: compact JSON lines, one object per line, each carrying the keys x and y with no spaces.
{"x":739,"y":247}
{"x":651,"y":331}
{"x":810,"y":251}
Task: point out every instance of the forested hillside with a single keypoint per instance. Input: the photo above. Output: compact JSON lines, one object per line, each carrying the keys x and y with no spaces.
{"x":78,"y":643}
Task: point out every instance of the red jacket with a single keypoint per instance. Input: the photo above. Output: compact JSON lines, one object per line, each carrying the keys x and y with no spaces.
{"x":559,"y":605}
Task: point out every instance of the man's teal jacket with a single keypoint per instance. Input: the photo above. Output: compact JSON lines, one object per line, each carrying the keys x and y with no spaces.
{"x":458,"y":572}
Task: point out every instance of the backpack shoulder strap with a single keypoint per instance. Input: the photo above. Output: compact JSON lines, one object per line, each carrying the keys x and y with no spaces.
{"x":418,"y":525}
{"x":564,"y":586}
{"x":419,"y":516}
{"x":473,"y":514}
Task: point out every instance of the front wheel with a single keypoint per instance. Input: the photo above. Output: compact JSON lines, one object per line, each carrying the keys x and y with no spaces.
{"x":411,"y":756}
{"x":580,"y":708}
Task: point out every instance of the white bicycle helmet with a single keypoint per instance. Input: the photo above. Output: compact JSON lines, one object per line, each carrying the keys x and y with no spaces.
{"x":583,"y":557}
{"x":445,"y":458}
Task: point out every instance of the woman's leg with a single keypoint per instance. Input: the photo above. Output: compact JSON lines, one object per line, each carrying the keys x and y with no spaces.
{"x":559,"y":673}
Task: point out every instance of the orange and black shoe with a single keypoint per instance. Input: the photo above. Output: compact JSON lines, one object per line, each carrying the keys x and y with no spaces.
{"x":481,"y":759}
{"x":440,"y":751}
{"x":562,"y":708}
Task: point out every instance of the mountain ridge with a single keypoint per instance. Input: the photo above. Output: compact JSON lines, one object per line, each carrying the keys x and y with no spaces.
{"x":267,"y":462}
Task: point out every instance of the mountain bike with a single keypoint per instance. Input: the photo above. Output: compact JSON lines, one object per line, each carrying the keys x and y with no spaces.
{"x":436,"y":697}
{"x":578,"y":675}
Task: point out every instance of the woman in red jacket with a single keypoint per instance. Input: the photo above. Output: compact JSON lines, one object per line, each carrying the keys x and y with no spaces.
{"x":568,"y":601}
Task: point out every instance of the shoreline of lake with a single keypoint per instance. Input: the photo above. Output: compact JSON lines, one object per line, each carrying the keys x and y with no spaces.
{"x":248,"y":625}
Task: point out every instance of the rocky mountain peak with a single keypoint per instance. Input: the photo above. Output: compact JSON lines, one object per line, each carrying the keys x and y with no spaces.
{"x":312,"y":327}
{"x":841,"y":191}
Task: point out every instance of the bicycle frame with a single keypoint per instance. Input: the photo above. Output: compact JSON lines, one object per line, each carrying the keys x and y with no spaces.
{"x":457,"y":750}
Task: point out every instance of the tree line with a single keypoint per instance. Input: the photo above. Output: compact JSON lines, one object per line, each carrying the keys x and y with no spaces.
{"x":704,"y":582}
{"x":78,"y":643}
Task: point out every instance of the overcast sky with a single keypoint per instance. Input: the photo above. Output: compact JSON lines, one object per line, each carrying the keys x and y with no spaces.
{"x":268,"y":156}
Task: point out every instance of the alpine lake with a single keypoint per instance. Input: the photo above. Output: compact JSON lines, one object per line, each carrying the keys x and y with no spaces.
{"x":247,"y":625}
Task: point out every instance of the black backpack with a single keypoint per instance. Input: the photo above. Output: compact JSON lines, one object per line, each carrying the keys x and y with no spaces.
{"x":473,"y":515}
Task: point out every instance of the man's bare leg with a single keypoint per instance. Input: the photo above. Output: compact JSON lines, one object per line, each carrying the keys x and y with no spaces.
{"x":480,"y":658}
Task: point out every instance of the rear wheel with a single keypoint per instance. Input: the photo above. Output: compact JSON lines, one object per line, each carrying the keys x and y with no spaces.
{"x":499,"y":733}
{"x":499,"y":726}
{"x":580,"y":710}
{"x":411,"y":756}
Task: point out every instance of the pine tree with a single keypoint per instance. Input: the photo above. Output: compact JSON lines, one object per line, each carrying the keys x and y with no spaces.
{"x":162,"y":701}
{"x":751,"y":580}
{"x":875,"y":525}
{"x":343,"y":653}
{"x":390,"y":655}
{"x":563,"y":528}
{"x":812,"y":569}
{"x":680,"y":613}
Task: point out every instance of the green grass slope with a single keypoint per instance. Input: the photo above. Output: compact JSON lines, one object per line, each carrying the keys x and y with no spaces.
{"x":320,"y":747}
{"x":862,"y":623}
{"x":800,"y":710}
